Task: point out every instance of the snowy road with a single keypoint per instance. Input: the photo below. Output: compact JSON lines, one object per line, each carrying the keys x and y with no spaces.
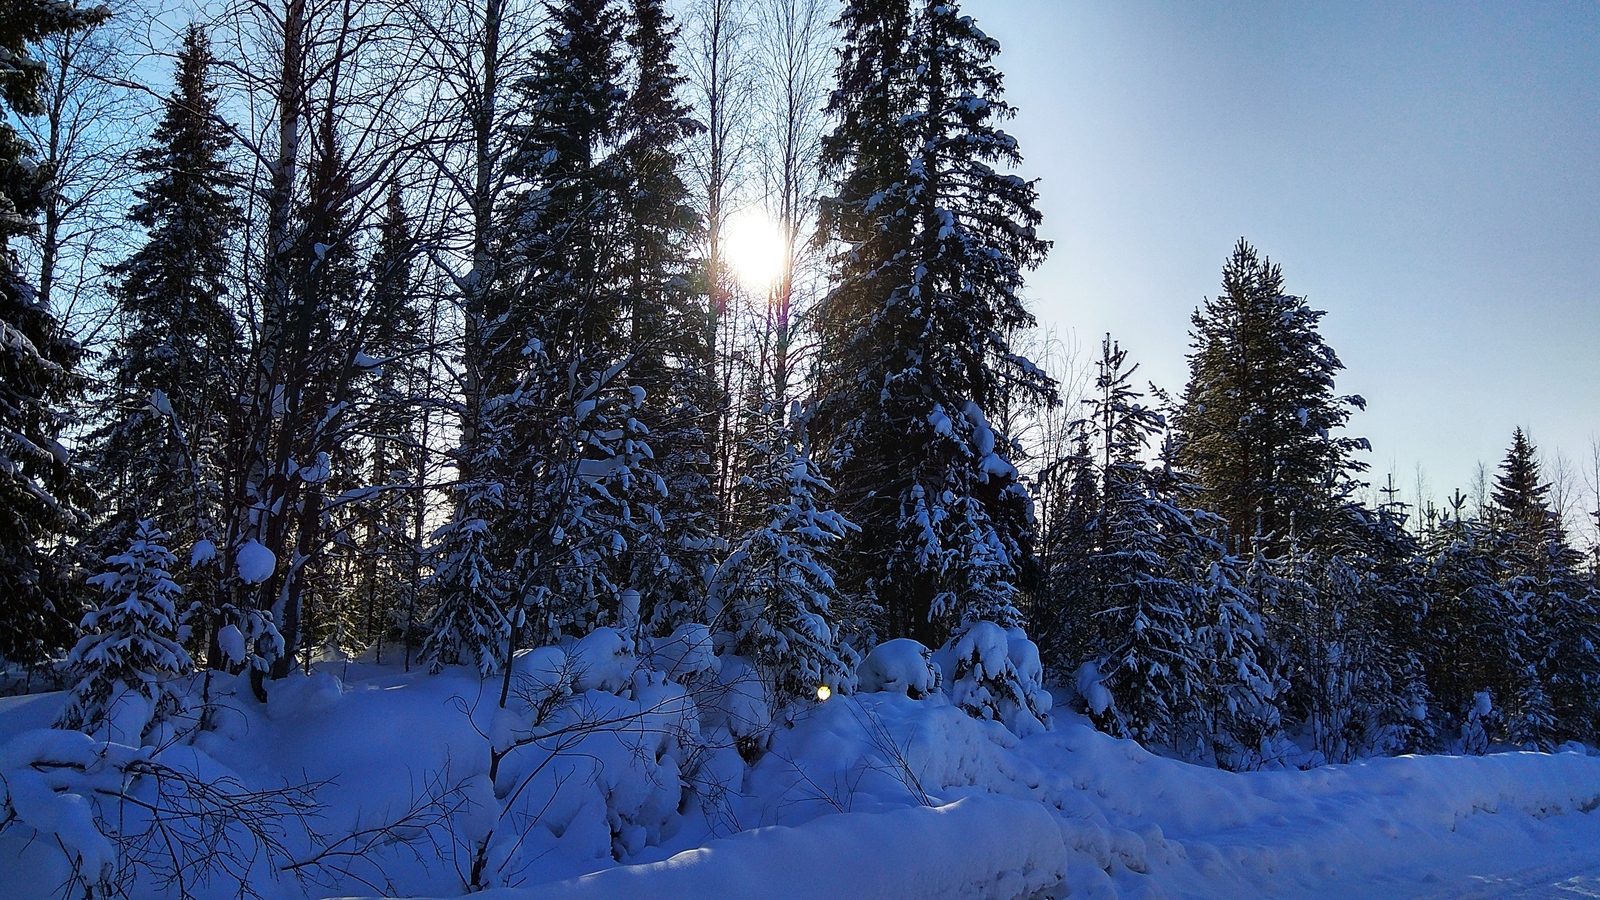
{"x":1535,"y":884}
{"x":1563,"y":864}
{"x":1558,"y":881}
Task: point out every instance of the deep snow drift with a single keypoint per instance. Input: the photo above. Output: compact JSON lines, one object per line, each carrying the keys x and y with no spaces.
{"x":870,"y":795}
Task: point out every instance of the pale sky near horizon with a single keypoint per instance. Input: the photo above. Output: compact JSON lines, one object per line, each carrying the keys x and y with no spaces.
{"x":1427,"y":173}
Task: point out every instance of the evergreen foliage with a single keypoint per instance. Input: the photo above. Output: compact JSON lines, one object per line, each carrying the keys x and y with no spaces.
{"x":1256,"y":423}
{"x":394,"y":360}
{"x":1554,"y":609}
{"x":774,"y":597}
{"x":672,"y":566}
{"x":131,"y":648}
{"x":42,"y":489}
{"x":172,"y":371}
{"x":931,"y":243}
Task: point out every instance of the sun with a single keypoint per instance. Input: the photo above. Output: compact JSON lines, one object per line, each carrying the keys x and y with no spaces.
{"x":756,"y":249}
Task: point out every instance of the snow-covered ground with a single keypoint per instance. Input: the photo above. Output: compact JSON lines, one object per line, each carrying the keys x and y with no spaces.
{"x":871,"y":795}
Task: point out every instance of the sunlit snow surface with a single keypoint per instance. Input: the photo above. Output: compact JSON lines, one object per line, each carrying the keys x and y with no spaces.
{"x":875,"y":795}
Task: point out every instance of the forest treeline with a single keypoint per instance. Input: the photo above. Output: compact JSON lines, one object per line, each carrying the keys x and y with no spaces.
{"x":416,"y":328}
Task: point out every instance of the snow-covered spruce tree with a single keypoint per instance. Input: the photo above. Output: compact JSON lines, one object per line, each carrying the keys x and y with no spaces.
{"x":469,"y":624}
{"x":930,"y":243}
{"x":162,"y":459}
{"x":1239,"y":697}
{"x":131,"y":648}
{"x":1473,"y":632}
{"x":1337,"y":630}
{"x":41,"y":488}
{"x":1064,"y":596}
{"x":1556,"y":608}
{"x":1146,"y":605}
{"x":774,"y":597}
{"x":581,"y":489}
{"x":333,"y":317}
{"x":666,"y":320}
{"x":1255,"y":425}
{"x":1395,"y":707}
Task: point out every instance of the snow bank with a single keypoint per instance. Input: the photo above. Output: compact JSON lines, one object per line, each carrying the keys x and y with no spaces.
{"x":637,"y":787}
{"x":978,"y":848}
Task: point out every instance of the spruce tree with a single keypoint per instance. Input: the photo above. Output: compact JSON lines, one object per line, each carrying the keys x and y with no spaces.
{"x":671,"y":566}
{"x":1256,"y":425}
{"x":931,"y":243}
{"x":1398,"y":714}
{"x":1065,"y":597}
{"x":1555,"y":607}
{"x":774,"y":597}
{"x":131,"y":649}
{"x":41,"y":488}
{"x":575,"y":463}
{"x":469,"y":625}
{"x":329,"y":325}
{"x":1147,"y":609}
{"x":1238,"y":697}
{"x":171,"y":370}
{"x":394,"y":360}
{"x":1475,"y":638}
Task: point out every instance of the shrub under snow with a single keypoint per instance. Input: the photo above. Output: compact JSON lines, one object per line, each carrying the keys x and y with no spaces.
{"x":995,"y":674}
{"x":900,"y":666}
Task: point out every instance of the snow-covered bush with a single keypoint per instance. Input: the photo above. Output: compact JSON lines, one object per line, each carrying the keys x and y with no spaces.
{"x":587,"y":758}
{"x":132,"y":647}
{"x":996,"y":675}
{"x":97,"y":817}
{"x":900,"y":666}
{"x":1480,"y":718}
{"x":603,"y":660}
{"x":739,"y":701}
{"x":686,"y":655}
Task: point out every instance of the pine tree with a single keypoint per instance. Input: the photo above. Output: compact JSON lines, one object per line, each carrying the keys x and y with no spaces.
{"x":774,"y":596}
{"x":131,"y":648}
{"x":41,"y":488}
{"x":1257,"y":420}
{"x":931,"y":243}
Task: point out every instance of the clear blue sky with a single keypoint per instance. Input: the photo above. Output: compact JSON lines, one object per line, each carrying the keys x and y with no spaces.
{"x":1428,"y":173}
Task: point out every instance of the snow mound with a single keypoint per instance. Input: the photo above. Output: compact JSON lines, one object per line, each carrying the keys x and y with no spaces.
{"x":900,"y":666}
{"x":603,"y":660}
{"x":685,"y":654}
